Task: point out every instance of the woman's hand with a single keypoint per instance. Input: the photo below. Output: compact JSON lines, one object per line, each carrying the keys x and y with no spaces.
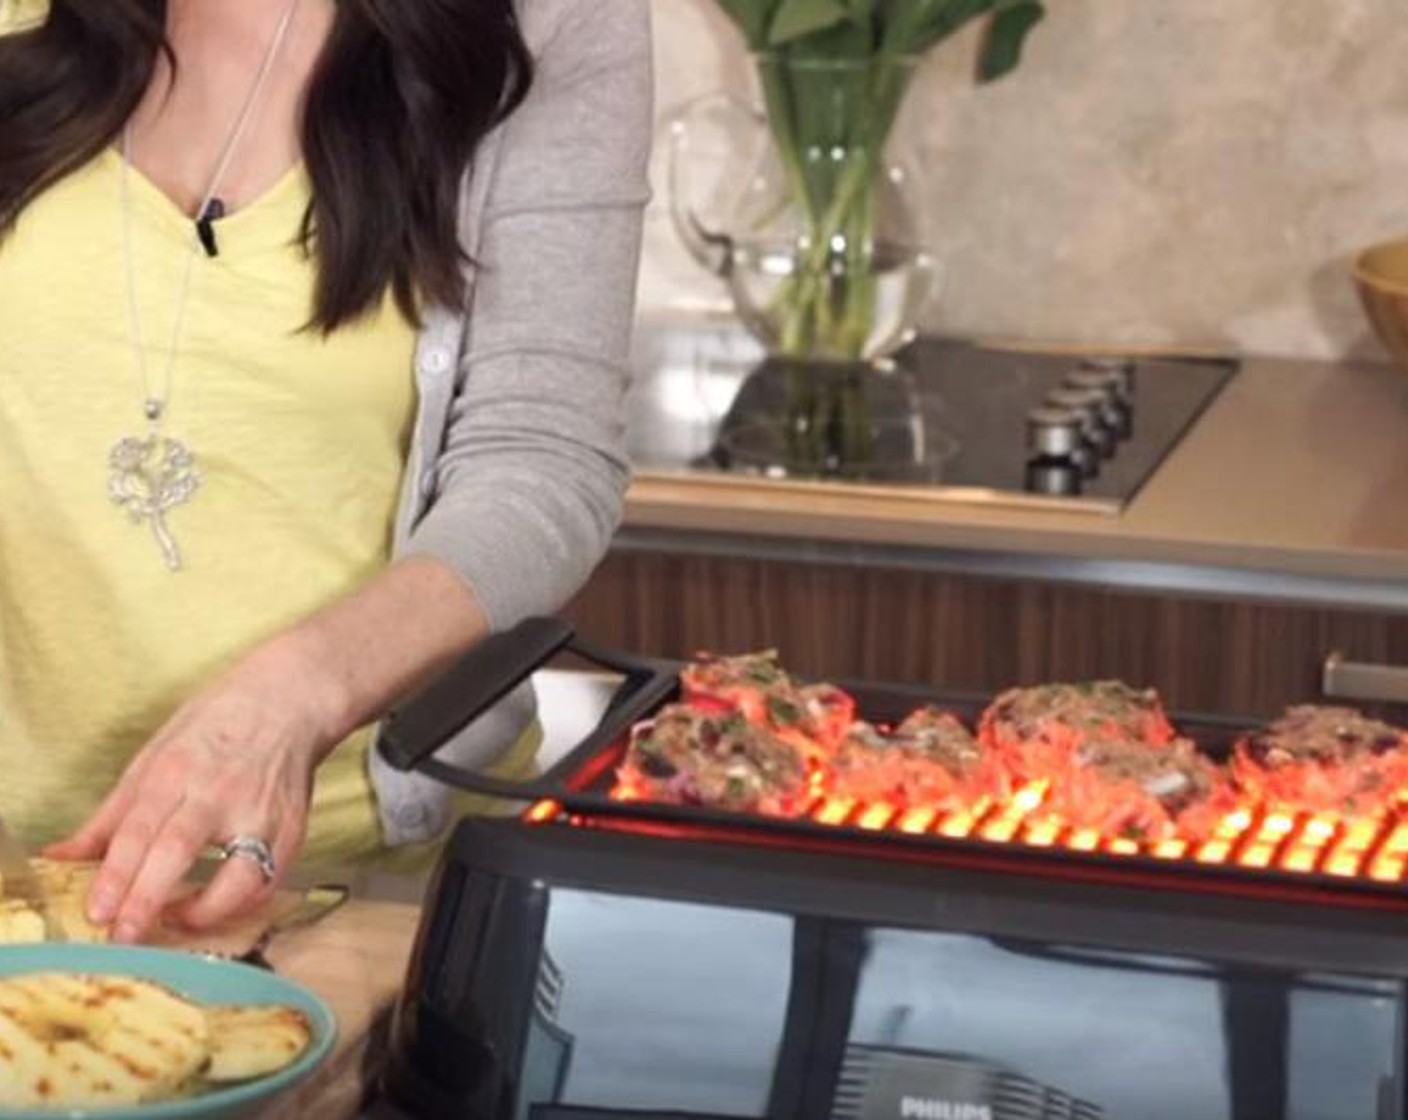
{"x":236,"y":760}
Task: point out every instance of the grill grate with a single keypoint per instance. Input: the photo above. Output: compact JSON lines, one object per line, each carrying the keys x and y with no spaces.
{"x":1329,"y":855}
{"x":1323,"y":844}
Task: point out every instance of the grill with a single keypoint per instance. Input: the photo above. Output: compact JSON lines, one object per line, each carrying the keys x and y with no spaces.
{"x":603,"y":957}
{"x":1328,"y":848}
{"x":1353,"y":860}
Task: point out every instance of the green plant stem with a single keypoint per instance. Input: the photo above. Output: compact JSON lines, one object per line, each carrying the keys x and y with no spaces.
{"x":826,"y":307}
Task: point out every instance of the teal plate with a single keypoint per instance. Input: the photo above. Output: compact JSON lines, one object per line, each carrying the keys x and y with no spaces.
{"x":203,"y":980}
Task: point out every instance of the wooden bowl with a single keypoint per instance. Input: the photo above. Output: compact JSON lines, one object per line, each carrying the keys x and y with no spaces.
{"x":1381,"y":274}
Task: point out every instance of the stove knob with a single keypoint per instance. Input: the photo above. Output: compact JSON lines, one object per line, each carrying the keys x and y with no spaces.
{"x":1119,"y":371}
{"x":1089,"y":405}
{"x":1053,"y":432}
{"x":1057,"y":477}
{"x":1059,"y":449}
{"x":1114,"y":411}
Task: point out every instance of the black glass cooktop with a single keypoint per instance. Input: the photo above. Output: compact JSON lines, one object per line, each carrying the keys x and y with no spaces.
{"x":947,"y":420}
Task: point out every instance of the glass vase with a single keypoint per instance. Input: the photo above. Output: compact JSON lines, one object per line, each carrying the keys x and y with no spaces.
{"x":801,"y":208}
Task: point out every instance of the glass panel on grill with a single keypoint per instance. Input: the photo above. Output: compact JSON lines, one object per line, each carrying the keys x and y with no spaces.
{"x":1011,"y":1027}
{"x":665,"y":1006}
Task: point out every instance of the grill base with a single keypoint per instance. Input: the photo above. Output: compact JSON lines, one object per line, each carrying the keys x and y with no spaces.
{"x":513,"y":899}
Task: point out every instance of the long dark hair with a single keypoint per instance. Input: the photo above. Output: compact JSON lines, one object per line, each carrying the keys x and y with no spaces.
{"x":401,"y":98}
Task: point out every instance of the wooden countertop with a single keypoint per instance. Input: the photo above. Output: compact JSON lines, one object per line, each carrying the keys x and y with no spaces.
{"x":1299,"y":468}
{"x":355,"y":959}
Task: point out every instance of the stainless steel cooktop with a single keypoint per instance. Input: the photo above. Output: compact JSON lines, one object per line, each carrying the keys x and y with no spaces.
{"x":950,"y":420}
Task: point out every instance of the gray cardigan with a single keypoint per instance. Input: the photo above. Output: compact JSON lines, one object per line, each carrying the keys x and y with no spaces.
{"x":517,"y":468}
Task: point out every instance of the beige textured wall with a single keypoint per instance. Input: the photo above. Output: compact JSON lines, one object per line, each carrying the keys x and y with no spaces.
{"x":1159,"y":171}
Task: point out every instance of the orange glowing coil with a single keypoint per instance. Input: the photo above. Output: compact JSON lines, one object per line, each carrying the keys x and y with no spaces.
{"x":1258,"y":855}
{"x":1043,"y":834}
{"x":543,"y":811}
{"x":1359,"y":834}
{"x":958,"y":825}
{"x":875,"y":817}
{"x":834,"y":810}
{"x":1388,"y":868}
{"x":1398,"y":839}
{"x":1001,"y":830}
{"x":1214,"y":851}
{"x":916,"y":821}
{"x":1086,"y":840}
{"x":1301,"y":858}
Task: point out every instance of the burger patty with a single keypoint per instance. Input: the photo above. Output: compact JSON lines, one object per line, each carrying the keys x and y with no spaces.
{"x":1036,"y":730}
{"x":718,"y":759}
{"x":1324,"y":759}
{"x":1138,"y":790}
{"x":1311,"y":733}
{"x":931,"y":760}
{"x":813,"y":717}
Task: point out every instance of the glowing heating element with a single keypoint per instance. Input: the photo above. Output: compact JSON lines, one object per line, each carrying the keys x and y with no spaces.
{"x":1253,"y":837}
{"x":1324,"y":843}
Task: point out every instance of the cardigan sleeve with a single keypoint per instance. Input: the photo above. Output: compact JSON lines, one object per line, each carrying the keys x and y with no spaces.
{"x":532,"y":473}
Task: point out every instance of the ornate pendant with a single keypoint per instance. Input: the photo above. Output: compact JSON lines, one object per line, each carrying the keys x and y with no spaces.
{"x":147,"y":477}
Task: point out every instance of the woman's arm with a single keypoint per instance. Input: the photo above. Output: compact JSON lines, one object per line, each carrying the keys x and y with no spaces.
{"x":530,"y":480}
{"x":528,"y":488}
{"x":238,"y":758}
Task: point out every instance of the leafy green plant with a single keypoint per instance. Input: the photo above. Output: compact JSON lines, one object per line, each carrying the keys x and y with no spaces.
{"x":834,"y":74}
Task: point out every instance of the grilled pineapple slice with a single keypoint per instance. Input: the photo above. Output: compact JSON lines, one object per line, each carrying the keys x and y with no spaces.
{"x":65,"y":887}
{"x":250,"y":1041}
{"x":71,"y":1040}
{"x":20,"y":924}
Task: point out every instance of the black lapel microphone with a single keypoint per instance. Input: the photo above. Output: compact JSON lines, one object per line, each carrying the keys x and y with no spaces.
{"x":205,"y":226}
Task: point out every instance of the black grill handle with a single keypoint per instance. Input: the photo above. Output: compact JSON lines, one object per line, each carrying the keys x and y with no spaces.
{"x":410,"y":735}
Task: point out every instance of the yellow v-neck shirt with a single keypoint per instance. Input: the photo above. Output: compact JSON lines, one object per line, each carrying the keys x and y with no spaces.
{"x":299,"y":441}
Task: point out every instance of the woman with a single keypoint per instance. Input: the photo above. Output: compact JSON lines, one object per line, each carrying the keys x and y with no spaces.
{"x":314,"y":316}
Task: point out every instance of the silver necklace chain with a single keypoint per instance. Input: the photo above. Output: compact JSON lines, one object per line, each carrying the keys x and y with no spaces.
{"x":151,"y":474}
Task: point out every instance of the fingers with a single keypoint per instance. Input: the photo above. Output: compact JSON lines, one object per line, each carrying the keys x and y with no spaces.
{"x":239,"y":885}
{"x":146,"y":862}
{"x":215,"y":771}
{"x":91,"y":841}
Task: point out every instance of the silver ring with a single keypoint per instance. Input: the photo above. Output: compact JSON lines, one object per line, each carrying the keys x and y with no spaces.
{"x":256,"y":851}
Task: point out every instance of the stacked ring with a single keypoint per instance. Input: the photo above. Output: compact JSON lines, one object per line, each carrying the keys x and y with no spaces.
{"x":255,"y":850}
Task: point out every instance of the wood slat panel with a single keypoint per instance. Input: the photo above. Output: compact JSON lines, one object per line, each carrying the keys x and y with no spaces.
{"x":966,"y":633}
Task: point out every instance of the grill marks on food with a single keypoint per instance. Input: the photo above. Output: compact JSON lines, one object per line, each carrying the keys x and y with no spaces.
{"x":94,"y":1041}
{"x":78,"y":1041}
{"x":253,"y":1041}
